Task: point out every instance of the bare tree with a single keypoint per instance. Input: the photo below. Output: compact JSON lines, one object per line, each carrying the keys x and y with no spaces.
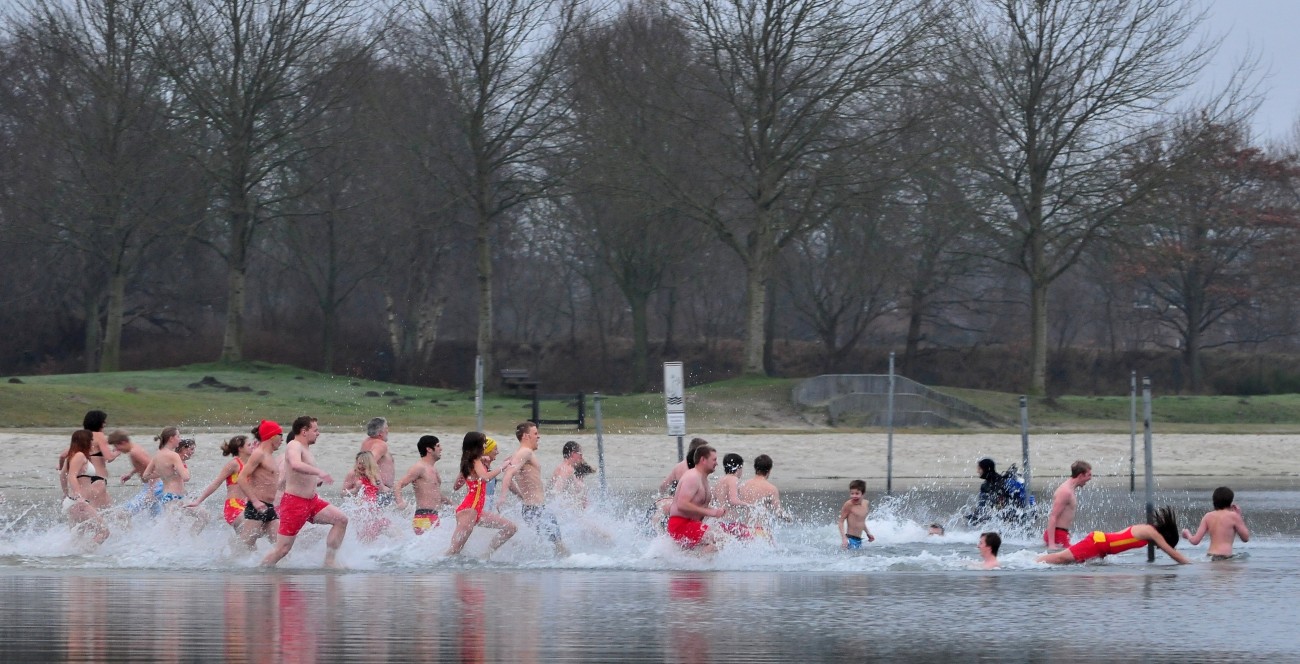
{"x":500,"y":60}
{"x":242,"y":69}
{"x":1217,"y":241}
{"x":1054,"y":92}
{"x":121,"y":183}
{"x":799,"y":81}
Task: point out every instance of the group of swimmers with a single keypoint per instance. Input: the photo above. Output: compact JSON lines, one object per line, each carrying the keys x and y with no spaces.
{"x":275,"y":495}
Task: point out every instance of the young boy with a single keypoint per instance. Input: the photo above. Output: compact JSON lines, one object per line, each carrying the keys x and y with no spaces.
{"x":853,"y":517}
{"x":1221,"y":524}
{"x":989,"y":544}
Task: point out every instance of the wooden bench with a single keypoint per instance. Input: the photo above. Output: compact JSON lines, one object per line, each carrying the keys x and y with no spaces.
{"x":518,"y":379}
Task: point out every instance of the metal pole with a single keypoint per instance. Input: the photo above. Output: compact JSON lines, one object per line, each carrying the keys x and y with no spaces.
{"x":889,"y":453}
{"x":681,"y":452}
{"x":1024,"y":439}
{"x":478,"y":392}
{"x":1133,"y":430}
{"x":1146,"y":441}
{"x":600,"y":444}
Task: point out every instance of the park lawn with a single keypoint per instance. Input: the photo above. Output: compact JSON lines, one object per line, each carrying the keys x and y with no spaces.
{"x":250,"y":391}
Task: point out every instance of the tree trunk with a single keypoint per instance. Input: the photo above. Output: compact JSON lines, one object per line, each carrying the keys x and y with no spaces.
{"x":90,"y":304}
{"x":640,"y":344}
{"x":769,"y":331}
{"x":756,"y":307}
{"x":913,"y":336}
{"x":1038,"y":336}
{"x":484,"y":246}
{"x":111,"y":359}
{"x":241,"y":237}
{"x":670,"y":345}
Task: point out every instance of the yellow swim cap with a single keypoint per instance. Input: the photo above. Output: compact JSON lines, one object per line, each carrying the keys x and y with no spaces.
{"x":490,"y":445}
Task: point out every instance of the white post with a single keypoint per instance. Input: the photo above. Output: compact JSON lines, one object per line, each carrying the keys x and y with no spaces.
{"x":1024,"y":439}
{"x":675,"y":402}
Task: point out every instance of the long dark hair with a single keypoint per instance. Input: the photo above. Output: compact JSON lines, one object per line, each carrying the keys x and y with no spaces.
{"x":1166,"y":524}
{"x":232,"y":446}
{"x":470,"y":450}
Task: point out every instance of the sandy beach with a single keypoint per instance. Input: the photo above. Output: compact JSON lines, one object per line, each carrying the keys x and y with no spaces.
{"x":802,"y":461}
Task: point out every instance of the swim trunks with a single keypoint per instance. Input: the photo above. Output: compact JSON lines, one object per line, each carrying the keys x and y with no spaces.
{"x":475,"y":499}
{"x":265,"y":516}
{"x":1219,"y":557}
{"x":296,"y":511}
{"x":855,"y":543}
{"x":233,"y":510}
{"x":169,"y":497}
{"x":146,"y":498}
{"x":1062,"y":537}
{"x":1098,"y":544}
{"x":686,"y":532}
{"x":543,"y":520}
{"x":737,"y":530}
{"x":425,"y":519}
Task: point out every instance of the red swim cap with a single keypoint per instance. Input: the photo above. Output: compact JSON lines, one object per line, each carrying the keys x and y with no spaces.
{"x":267,"y":429}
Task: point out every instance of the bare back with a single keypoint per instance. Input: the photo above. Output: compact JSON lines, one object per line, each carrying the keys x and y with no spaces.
{"x":168,"y":467}
{"x":1222,"y":526}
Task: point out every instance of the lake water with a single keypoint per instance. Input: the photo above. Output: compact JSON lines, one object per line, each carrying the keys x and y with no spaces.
{"x":156,"y":592}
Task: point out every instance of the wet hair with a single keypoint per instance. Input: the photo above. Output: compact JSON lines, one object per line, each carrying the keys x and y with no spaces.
{"x":81,"y":442}
{"x":94,"y":420}
{"x":426,"y":444}
{"x":1079,"y":467}
{"x":732,"y":462}
{"x":570,"y":448}
{"x":583,"y":469}
{"x":703,"y":452}
{"x":255,"y":434}
{"x":471,"y":448}
{"x":1166,"y":523}
{"x":368,"y":467}
{"x":987,"y":466}
{"x":522,"y":428}
{"x":119,"y":436}
{"x":994,"y":541}
{"x":762,"y":465}
{"x":231,"y":447}
{"x":696,"y":443}
{"x":1222,"y":498}
{"x":185,"y":442}
{"x":859,"y":485}
{"x":302,"y":423}
{"x":166,"y":435}
{"x":374,"y":426}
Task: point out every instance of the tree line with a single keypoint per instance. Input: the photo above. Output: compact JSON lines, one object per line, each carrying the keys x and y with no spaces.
{"x":325,"y":181}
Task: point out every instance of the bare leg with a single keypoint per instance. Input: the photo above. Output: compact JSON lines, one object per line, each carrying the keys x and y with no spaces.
{"x":465,"y":520}
{"x":505,"y":526}
{"x":281,"y":549}
{"x":1058,"y":558}
{"x":338,"y":522}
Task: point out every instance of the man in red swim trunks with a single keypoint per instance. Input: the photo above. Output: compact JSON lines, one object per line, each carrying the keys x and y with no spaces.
{"x":300,"y":502}
{"x":691,"y":504}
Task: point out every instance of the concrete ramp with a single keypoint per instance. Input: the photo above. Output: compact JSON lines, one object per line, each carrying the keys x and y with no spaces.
{"x":863,"y":400}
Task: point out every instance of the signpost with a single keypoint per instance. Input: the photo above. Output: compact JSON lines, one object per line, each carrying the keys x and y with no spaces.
{"x":675,"y":400}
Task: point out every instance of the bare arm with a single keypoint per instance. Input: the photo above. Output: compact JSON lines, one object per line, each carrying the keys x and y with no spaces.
{"x":510,"y":476}
{"x":69,"y":480}
{"x":865,"y":530}
{"x":107,"y":450}
{"x":1169,"y":550}
{"x":351,"y":483}
{"x":733,"y":495}
{"x":1240,"y":525}
{"x":841,"y":523}
{"x":293,"y":457}
{"x":673,"y":476}
{"x":245,"y":480}
{"x":1053,"y":517}
{"x":1200,"y":531}
{"x":226,"y":471}
{"x":150,"y":473}
{"x":411,"y":475}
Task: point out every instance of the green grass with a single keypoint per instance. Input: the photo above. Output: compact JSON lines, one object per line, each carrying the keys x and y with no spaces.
{"x":163,"y":397}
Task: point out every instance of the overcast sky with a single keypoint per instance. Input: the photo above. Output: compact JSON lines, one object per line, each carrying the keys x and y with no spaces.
{"x":1272,"y":29}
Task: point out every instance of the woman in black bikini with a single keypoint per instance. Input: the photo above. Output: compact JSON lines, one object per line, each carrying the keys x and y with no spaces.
{"x":79,"y":474}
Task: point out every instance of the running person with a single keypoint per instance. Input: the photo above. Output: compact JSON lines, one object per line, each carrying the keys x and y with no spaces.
{"x":77,"y":471}
{"x":260,"y":480}
{"x":726,"y":494}
{"x":364,"y":484}
{"x":300,"y":503}
{"x":524,"y":478}
{"x":476,"y":454}
{"x":427,"y":485}
{"x":691,"y":504}
{"x":236,"y":501}
{"x":168,"y":466}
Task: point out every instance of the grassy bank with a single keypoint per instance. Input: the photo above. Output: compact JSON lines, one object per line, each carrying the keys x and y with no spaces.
{"x":237,"y":396}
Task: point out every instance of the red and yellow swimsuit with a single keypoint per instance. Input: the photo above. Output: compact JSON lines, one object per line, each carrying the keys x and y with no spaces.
{"x":475,"y":499}
{"x":1098,"y":544}
{"x":234,"y":506}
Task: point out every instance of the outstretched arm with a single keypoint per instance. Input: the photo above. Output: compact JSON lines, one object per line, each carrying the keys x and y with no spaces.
{"x":226,"y":471}
{"x":1201,"y":530}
